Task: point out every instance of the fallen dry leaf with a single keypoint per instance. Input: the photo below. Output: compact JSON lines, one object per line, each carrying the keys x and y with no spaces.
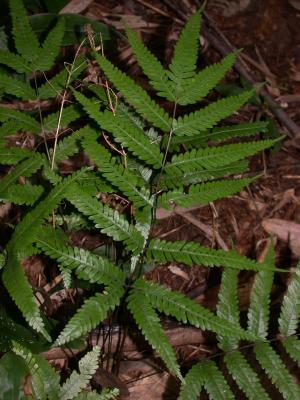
{"x":287,"y":231}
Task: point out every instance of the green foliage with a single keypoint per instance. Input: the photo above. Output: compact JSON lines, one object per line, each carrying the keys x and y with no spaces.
{"x":46,"y":381}
{"x":138,"y":155}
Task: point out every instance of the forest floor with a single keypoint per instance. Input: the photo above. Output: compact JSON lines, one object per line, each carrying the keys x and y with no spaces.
{"x":268,"y":31}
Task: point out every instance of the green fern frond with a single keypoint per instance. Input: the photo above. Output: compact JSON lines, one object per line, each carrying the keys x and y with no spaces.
{"x":54,"y":86}
{"x":14,"y":61}
{"x":292,"y":346}
{"x":228,"y":307}
{"x":215,"y":135}
{"x":24,"y":169}
{"x":106,"y":394}
{"x":203,"y":193}
{"x":151,"y":67}
{"x":45,"y":380}
{"x":290,"y":309}
{"x":190,"y":253}
{"x":93,"y":311}
{"x":21,"y":194}
{"x":109,"y":221}
{"x":149,"y":323}
{"x":21,"y":292}
{"x":25,"y":232}
{"x":186,"y":310}
{"x":51,"y":47}
{"x":79,"y":381}
{"x":259,"y":309}
{"x":16,"y":87}
{"x":244,"y":376}
{"x":69,"y":114}
{"x":26,"y":41}
{"x":135,"y":95}
{"x":239,"y":130}
{"x":208,"y":117}
{"x":213,"y":157}
{"x":115,"y":173}
{"x":214,"y":382}
{"x":176,"y":178}
{"x":13,"y":155}
{"x":276,"y":371}
{"x":24,"y":121}
{"x":87,"y":265}
{"x":192,"y":385}
{"x":197,"y":87}
{"x":124,"y":131}
{"x":185,"y":56}
{"x":68,"y":146}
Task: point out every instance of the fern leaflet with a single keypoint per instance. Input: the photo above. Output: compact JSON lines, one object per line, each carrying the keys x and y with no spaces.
{"x":107,"y":220}
{"x":200,"y":85}
{"x":45,"y":381}
{"x":185,"y":56}
{"x":14,"y":61}
{"x":24,"y":122}
{"x":135,"y":95}
{"x":259,"y":309}
{"x":51,"y":47}
{"x":192,"y":385}
{"x":115,"y":173}
{"x":290,"y":309}
{"x":151,"y":67}
{"x":214,"y":382}
{"x":209,"y":116}
{"x":185,"y":310}
{"x":26,"y":42}
{"x":227,"y":307}
{"x":149,"y":323}
{"x":16,"y":87}
{"x":276,"y":371}
{"x":203,"y":193}
{"x":213,"y":157}
{"x":79,"y":381}
{"x":190,"y":253}
{"x":245,"y":377}
{"x":92,"y":312}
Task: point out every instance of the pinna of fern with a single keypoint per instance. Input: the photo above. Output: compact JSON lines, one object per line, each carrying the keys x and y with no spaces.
{"x":236,"y":360}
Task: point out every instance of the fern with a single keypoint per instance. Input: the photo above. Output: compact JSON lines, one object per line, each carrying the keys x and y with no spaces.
{"x":16,"y":87}
{"x":92,"y":312}
{"x":116,"y":174}
{"x":19,"y":121}
{"x":148,"y":321}
{"x":185,"y":56}
{"x":107,"y":220}
{"x":49,"y":51}
{"x":198,"y":86}
{"x":151,"y":172}
{"x":214,"y":157}
{"x":124,"y":131}
{"x":78,"y":381}
{"x":203,"y":193}
{"x":135,"y":95}
{"x":190,"y":253}
{"x":290,"y":310}
{"x":276,"y":371}
{"x":245,"y":377}
{"x":185,"y":310}
{"x":26,"y":42}
{"x":151,"y":67}
{"x":45,"y":381}
{"x":25,"y":169}
{"x":209,"y":116}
